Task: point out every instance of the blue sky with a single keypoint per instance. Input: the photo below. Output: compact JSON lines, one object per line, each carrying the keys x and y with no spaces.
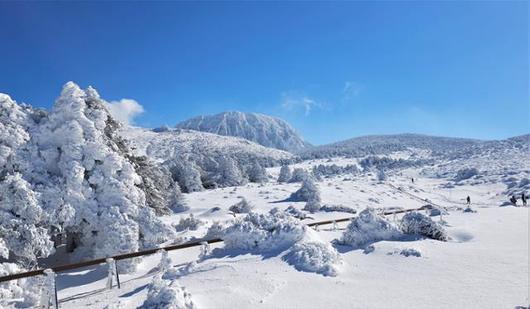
{"x":334,"y":70}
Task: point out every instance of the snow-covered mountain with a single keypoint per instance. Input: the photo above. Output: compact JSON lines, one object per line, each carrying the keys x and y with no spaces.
{"x":435,"y":145}
{"x":199,"y":160}
{"x":262,"y":129}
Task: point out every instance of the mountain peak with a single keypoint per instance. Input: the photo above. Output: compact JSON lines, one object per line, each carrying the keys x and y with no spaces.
{"x":263,"y":129}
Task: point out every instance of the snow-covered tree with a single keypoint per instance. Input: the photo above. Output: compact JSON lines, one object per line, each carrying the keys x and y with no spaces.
{"x":229,"y":172}
{"x":186,"y":172}
{"x":419,"y":224}
{"x":307,"y":192}
{"x":85,"y":172}
{"x":242,"y":206}
{"x":285,"y":174}
{"x":257,"y":173}
{"x":381,"y":175}
{"x":367,"y":228}
{"x":22,"y":222}
{"x":299,"y":175}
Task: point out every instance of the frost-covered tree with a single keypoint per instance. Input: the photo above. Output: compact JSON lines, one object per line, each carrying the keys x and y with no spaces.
{"x":367,"y":228}
{"x":83,"y":171}
{"x":381,"y":175}
{"x":299,"y":175}
{"x":187,"y":174}
{"x":229,"y":172}
{"x":257,"y":173}
{"x":242,"y":206}
{"x":307,"y":192}
{"x":419,"y":224}
{"x":285,"y":174}
{"x":22,"y":222}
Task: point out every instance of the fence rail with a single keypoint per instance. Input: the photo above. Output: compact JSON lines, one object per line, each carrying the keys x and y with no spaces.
{"x":130,"y":255}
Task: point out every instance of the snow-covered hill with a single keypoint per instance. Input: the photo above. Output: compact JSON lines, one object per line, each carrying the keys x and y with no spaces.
{"x":201,"y":160}
{"x":262,"y":129}
{"x":435,"y":145}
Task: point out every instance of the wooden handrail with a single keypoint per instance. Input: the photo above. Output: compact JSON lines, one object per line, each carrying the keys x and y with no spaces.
{"x":130,"y":255}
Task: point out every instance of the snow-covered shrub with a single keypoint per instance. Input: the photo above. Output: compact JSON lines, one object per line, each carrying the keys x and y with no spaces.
{"x":410,"y":252}
{"x":167,"y":294}
{"x":338,"y":208}
{"x":187,"y":174}
{"x":161,"y":192}
{"x":465,"y":173}
{"x":189,"y":223}
{"x":215,"y":230}
{"x":307,"y":192}
{"x":419,"y":224}
{"x":299,"y":175}
{"x":257,"y":173}
{"x":322,"y":170}
{"x":367,"y":228}
{"x":315,"y":257}
{"x":285,"y":174}
{"x":10,"y":289}
{"x":263,"y":232}
{"x":291,"y":211}
{"x":381,"y":175}
{"x":312,"y":205}
{"x":241,"y":207}
{"x":22,"y":221}
{"x":229,"y":173}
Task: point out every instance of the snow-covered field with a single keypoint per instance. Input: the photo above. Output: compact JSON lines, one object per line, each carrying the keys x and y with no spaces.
{"x":75,"y":185}
{"x":483,"y":265}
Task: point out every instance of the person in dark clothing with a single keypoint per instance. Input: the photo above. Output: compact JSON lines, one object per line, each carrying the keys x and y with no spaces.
{"x":523,"y":198}
{"x":468,"y":199}
{"x":412,"y":180}
{"x":513,"y":200}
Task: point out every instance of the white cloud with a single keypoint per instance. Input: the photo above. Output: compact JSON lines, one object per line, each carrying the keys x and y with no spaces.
{"x":291,"y":101}
{"x":125,"y":110}
{"x":350,"y":90}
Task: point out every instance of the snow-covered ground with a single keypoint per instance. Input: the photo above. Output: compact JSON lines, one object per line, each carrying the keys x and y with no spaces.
{"x":483,"y":265}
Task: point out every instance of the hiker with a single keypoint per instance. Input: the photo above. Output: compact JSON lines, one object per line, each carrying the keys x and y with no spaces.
{"x":468,"y":199}
{"x":513,"y":200}
{"x":523,"y":198}
{"x":412,"y":180}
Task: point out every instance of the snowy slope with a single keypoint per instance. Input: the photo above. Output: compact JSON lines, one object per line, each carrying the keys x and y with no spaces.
{"x":262,"y":129}
{"x":172,"y":143}
{"x":438,"y":146}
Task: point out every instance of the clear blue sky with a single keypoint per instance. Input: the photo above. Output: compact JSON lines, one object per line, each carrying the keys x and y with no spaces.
{"x":334,"y":70}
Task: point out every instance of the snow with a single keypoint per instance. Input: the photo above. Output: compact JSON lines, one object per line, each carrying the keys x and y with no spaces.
{"x":368,"y":228}
{"x":115,"y":188}
{"x":262,"y":129}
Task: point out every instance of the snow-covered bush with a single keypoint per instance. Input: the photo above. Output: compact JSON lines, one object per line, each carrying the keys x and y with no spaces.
{"x":419,"y":224}
{"x":263,"y":232}
{"x":187,"y":174}
{"x":381,"y":175}
{"x":10,"y":289}
{"x":22,"y":221}
{"x":299,"y":175}
{"x":229,"y":173}
{"x":241,"y":207}
{"x":285,"y":174}
{"x":465,"y":173}
{"x":322,"y":170}
{"x":257,"y":173}
{"x":291,"y":211}
{"x":367,"y":228}
{"x":338,"y":208}
{"x":189,"y":223}
{"x":307,"y":192}
{"x":315,"y":257}
{"x":167,"y":294}
{"x":215,"y":230}
{"x":312,"y":205}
